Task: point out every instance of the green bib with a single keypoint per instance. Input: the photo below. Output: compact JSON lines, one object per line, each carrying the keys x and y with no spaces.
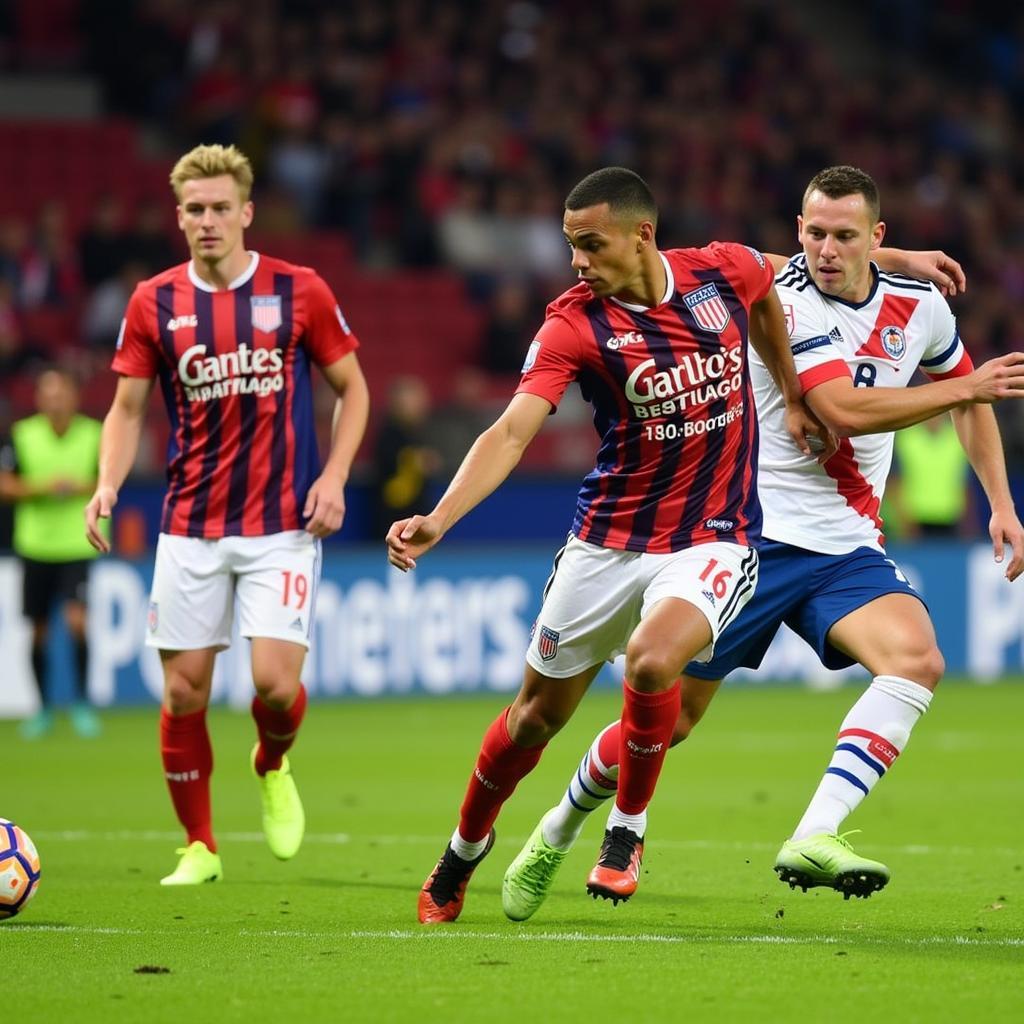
{"x":933,"y":472}
{"x":52,"y":528}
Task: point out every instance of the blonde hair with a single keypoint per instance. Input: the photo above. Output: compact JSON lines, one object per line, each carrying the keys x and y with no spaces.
{"x":211,"y":162}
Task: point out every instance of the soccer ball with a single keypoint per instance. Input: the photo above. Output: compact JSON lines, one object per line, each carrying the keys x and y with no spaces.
{"x":19,"y":869}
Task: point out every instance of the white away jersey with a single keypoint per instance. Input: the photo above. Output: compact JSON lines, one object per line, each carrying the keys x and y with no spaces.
{"x":902,"y":325}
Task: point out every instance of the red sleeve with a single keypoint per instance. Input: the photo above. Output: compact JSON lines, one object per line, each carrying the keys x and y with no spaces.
{"x":138,"y":351}
{"x":553,"y":361}
{"x":750,"y":273}
{"x":822,"y":372}
{"x":964,"y":367}
{"x":328,"y":336}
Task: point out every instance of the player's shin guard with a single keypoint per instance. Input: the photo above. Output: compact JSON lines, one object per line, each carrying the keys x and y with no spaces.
{"x":500,"y":765}
{"x":871,"y":737}
{"x":188,"y":765}
{"x":648,"y":722}
{"x":276,"y":728}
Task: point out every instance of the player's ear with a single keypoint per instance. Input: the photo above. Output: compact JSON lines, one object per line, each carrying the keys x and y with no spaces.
{"x":247,"y":213}
{"x":877,"y":234}
{"x":799,"y":228}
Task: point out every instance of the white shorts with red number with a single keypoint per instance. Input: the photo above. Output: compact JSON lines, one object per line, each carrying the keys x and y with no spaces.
{"x":197,"y":583}
{"x":597,"y":596}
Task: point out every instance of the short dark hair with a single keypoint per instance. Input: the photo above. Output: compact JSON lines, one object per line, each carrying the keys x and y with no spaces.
{"x":836,"y":182}
{"x":623,"y":190}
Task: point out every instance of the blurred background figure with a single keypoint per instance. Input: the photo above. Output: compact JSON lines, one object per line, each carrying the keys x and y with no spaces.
{"x":48,"y":468}
{"x":931,"y":494}
{"x":403,"y":461}
{"x":457,"y":423}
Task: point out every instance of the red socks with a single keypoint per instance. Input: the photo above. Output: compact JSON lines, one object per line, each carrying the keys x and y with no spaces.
{"x":276,"y":729}
{"x":500,"y":765}
{"x":648,"y":722}
{"x":188,"y":765}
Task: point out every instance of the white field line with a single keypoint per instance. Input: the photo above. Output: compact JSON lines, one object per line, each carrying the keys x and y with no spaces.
{"x":459,"y":935}
{"x":345,"y":839}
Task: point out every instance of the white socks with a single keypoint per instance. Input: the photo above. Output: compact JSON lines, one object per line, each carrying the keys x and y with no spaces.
{"x":871,"y":737}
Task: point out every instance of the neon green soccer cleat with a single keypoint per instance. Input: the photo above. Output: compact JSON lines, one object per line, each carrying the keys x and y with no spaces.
{"x":197,"y":865}
{"x":284,"y":821}
{"x":528,"y":878}
{"x":828,"y":860}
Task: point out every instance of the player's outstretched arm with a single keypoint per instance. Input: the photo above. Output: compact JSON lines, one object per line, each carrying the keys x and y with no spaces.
{"x":119,"y":443}
{"x":850,"y":411}
{"x":494,"y":455}
{"x":926,"y":265}
{"x":324,"y":510}
{"x":979,"y":434}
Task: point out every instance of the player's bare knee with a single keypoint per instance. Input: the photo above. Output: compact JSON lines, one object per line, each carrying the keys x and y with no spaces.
{"x":182,"y":696}
{"x":649,"y":670}
{"x":277,"y":691}
{"x":931,"y":668}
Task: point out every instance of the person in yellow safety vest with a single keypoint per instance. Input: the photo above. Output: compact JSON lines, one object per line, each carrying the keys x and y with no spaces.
{"x":930,"y":489}
{"x":48,"y":469}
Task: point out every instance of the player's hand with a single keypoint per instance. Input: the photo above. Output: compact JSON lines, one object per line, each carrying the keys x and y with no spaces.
{"x":100,"y":506}
{"x":942,"y":270}
{"x":1002,"y":377}
{"x":1005,"y":528}
{"x":409,"y":538}
{"x":324,"y":508}
{"x":809,"y":434}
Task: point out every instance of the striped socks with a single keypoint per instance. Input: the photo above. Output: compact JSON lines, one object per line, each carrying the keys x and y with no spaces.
{"x":594,"y":782}
{"x":871,"y":737}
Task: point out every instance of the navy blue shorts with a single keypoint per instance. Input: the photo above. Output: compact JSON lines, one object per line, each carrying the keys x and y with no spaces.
{"x":809,"y":592}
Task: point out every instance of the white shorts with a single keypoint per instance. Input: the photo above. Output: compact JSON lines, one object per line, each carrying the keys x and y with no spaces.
{"x":597,"y":596}
{"x":197,"y":582}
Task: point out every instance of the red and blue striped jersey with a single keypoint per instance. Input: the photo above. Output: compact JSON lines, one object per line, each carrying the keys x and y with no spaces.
{"x":234,"y":368}
{"x":672,"y":402}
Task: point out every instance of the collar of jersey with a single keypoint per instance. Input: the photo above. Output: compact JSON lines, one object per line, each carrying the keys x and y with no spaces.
{"x":245,"y":275}
{"x":670,"y":287}
{"x":846,"y":302}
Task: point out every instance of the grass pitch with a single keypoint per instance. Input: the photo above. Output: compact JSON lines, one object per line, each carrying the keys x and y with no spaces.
{"x":711,"y":935}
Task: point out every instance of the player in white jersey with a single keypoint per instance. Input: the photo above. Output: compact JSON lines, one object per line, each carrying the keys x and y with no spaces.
{"x":857,"y":335}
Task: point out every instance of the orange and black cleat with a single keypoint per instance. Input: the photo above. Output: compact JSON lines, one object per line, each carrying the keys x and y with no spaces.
{"x":443,"y":893}
{"x":617,"y":872}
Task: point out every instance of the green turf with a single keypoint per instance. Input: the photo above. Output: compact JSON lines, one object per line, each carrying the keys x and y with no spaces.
{"x":711,"y":935}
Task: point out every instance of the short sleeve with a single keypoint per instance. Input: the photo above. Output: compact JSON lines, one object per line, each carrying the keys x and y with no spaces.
{"x":944,"y":355}
{"x":807,"y":322}
{"x":749,"y":272}
{"x":136,"y":353}
{"x":553,"y":361}
{"x":328,"y":336}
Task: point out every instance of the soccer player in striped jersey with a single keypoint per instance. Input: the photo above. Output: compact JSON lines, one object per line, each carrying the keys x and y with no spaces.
{"x":231,"y":336}
{"x":858,"y":334}
{"x":661,"y":556}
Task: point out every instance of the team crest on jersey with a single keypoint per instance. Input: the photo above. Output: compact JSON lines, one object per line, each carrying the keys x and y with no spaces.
{"x":547,"y":643}
{"x":266,"y":312}
{"x":894,"y":341}
{"x":153,"y":618}
{"x":531,"y":356}
{"x":708,"y":309}
{"x":790,"y":318}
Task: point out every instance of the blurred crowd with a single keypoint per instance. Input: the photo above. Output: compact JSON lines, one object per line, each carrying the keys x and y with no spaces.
{"x":446,"y":133}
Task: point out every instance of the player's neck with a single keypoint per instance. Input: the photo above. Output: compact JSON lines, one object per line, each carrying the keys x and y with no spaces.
{"x":862,"y":287}
{"x":650,"y":285}
{"x":221,"y":273}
